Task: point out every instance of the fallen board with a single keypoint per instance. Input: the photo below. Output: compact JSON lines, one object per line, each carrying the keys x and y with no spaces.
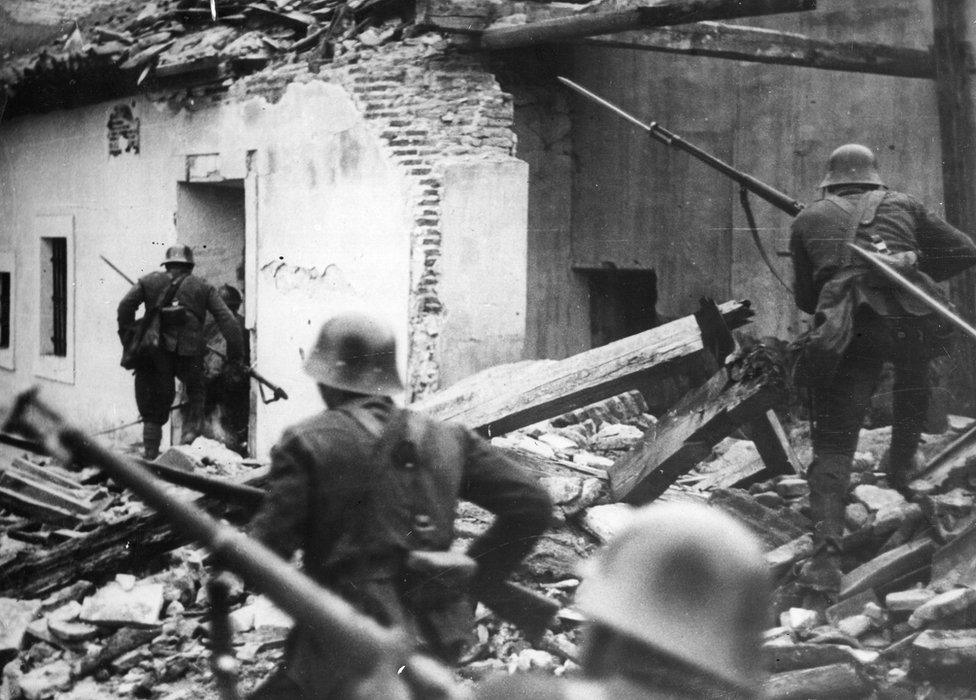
{"x":495,"y":403}
{"x":106,"y":549}
{"x":686,"y":435}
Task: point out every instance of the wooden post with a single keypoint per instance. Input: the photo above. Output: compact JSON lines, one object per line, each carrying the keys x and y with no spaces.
{"x":953,"y":55}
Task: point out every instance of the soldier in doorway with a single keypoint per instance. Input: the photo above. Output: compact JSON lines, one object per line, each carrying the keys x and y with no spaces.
{"x":368,"y":491}
{"x":677,"y":603}
{"x":859,"y":321}
{"x":227,"y":403}
{"x":183,"y":344}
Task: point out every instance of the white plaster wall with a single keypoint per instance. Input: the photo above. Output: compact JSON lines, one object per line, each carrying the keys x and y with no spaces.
{"x":332,"y":229}
{"x":483,"y":284}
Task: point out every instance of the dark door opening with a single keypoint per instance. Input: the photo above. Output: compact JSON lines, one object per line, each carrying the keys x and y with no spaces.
{"x":210,"y":219}
{"x":622,"y":303}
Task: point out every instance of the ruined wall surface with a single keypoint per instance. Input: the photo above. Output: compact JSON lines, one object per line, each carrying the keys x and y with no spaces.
{"x":346,"y":173}
{"x":436,"y":109}
{"x":637,"y":203}
{"x":318,"y":248}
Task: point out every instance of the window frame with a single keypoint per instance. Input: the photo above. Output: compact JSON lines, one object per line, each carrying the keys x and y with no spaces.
{"x":8,"y":264}
{"x":59,"y":368}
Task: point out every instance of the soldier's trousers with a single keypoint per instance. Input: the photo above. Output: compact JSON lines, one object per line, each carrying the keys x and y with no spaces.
{"x":840,"y":406}
{"x":156,"y":389}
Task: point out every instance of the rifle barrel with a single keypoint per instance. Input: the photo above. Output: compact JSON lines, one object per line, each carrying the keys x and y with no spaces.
{"x":113,"y":266}
{"x":778,"y":199}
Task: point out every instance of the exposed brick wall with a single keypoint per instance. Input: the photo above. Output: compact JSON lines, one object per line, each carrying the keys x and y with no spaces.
{"x":428,"y":104}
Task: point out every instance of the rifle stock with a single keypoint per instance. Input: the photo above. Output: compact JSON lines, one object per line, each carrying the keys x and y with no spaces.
{"x":531,"y":611}
{"x":360,"y":645}
{"x":778,"y":199}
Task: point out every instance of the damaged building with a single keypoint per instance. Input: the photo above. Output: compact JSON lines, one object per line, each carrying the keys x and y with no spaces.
{"x":316,"y":156}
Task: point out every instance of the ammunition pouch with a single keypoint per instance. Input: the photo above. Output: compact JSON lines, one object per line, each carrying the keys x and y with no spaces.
{"x":173,"y":316}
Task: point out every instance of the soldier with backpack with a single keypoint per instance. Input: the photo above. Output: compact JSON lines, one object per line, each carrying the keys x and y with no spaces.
{"x":182,"y":301}
{"x":368,"y":492}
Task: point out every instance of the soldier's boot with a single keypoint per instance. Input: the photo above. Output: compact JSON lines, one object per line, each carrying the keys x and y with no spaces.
{"x":900,"y":464}
{"x":152,"y":436}
{"x":829,"y":477}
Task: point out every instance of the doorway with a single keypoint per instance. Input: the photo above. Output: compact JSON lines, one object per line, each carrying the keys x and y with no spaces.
{"x":210,"y":218}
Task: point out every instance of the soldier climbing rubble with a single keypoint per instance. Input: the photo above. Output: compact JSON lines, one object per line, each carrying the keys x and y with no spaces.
{"x":861,"y":320}
{"x":369,"y":491}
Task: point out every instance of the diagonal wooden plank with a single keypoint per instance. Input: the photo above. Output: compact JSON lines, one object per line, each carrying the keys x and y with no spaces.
{"x":497,"y":402}
{"x":686,"y":435}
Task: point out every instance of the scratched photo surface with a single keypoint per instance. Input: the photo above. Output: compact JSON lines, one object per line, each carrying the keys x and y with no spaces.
{"x":714,"y":254}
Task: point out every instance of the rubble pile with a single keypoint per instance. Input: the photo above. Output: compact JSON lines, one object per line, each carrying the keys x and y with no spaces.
{"x":905,"y":621}
{"x":196,"y":42}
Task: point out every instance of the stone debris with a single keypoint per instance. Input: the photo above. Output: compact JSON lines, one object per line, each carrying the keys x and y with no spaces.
{"x":122,"y":602}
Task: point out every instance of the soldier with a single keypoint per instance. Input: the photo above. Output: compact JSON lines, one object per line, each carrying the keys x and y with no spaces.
{"x":364,"y":487}
{"x":227,"y":403}
{"x":861,"y":320}
{"x":183,"y":345}
{"x":677,"y":603}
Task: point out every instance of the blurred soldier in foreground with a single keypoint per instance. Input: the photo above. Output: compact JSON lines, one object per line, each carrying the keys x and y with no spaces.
{"x":227,"y":403}
{"x":369,"y":492}
{"x":184,"y":300}
{"x":861,"y":320}
{"x":677,"y":600}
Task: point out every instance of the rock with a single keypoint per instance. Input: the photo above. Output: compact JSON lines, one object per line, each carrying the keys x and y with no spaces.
{"x":856,"y":516}
{"x":792,"y":487}
{"x":770,"y":499}
{"x":591,"y":491}
{"x":562,"y":489}
{"x":876,"y":613}
{"x":778,"y":657}
{"x":777,"y":634}
{"x":783,"y":557}
{"x":616,"y":436}
{"x":268,"y":616}
{"x":842,"y":680}
{"x":959,"y":423}
{"x":864,"y":462}
{"x":875,"y":497}
{"x":560,"y":443}
{"x":908,"y":601}
{"x":942,"y":606}
{"x":71,"y":630}
{"x":15,"y":618}
{"x":181,"y":457}
{"x":799,"y":620}
{"x":855,"y":625}
{"x":113,"y":604}
{"x":850,"y":606}
{"x":530,"y":445}
{"x":889,"y":518}
{"x":588,"y":459}
{"x":479,"y":670}
{"x":887,"y":567}
{"x":76,"y":591}
{"x":603,"y":522}
{"x":43,"y":681}
{"x":242,"y":619}
{"x":942,"y":655}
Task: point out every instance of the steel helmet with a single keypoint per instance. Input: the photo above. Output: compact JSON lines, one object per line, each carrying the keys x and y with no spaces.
{"x":689,"y":581}
{"x":178,"y":254}
{"x":355,"y":352}
{"x":852,"y":164}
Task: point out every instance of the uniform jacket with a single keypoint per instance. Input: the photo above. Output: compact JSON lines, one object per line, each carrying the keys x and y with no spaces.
{"x":198,"y":297}
{"x":833,"y":284}
{"x":356,"y":520}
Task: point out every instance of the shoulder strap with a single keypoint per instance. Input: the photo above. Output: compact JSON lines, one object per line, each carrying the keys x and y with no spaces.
{"x":860,"y":215}
{"x":167,"y":296}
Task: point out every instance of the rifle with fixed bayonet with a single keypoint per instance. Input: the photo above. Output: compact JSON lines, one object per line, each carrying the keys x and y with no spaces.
{"x":747,"y":183}
{"x":358,"y":645}
{"x":277,"y":392}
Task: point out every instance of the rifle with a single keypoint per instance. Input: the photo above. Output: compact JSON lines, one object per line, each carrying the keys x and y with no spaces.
{"x":359,"y":645}
{"x":747,"y":183}
{"x":277,"y":392}
{"x":531,"y":611}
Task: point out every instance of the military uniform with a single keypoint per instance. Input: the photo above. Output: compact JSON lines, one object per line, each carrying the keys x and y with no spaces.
{"x":860,"y":321}
{"x":356,"y":515}
{"x":184,"y":345}
{"x":226,"y":391}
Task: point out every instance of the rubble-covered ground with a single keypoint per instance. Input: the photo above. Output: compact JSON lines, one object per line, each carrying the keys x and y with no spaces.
{"x":905,"y":627}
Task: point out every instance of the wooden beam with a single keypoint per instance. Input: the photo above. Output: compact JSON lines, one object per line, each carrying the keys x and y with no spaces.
{"x":759,"y":45}
{"x":661,"y":14}
{"x":686,"y":435}
{"x":953,"y":56}
{"x":496,"y":402}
